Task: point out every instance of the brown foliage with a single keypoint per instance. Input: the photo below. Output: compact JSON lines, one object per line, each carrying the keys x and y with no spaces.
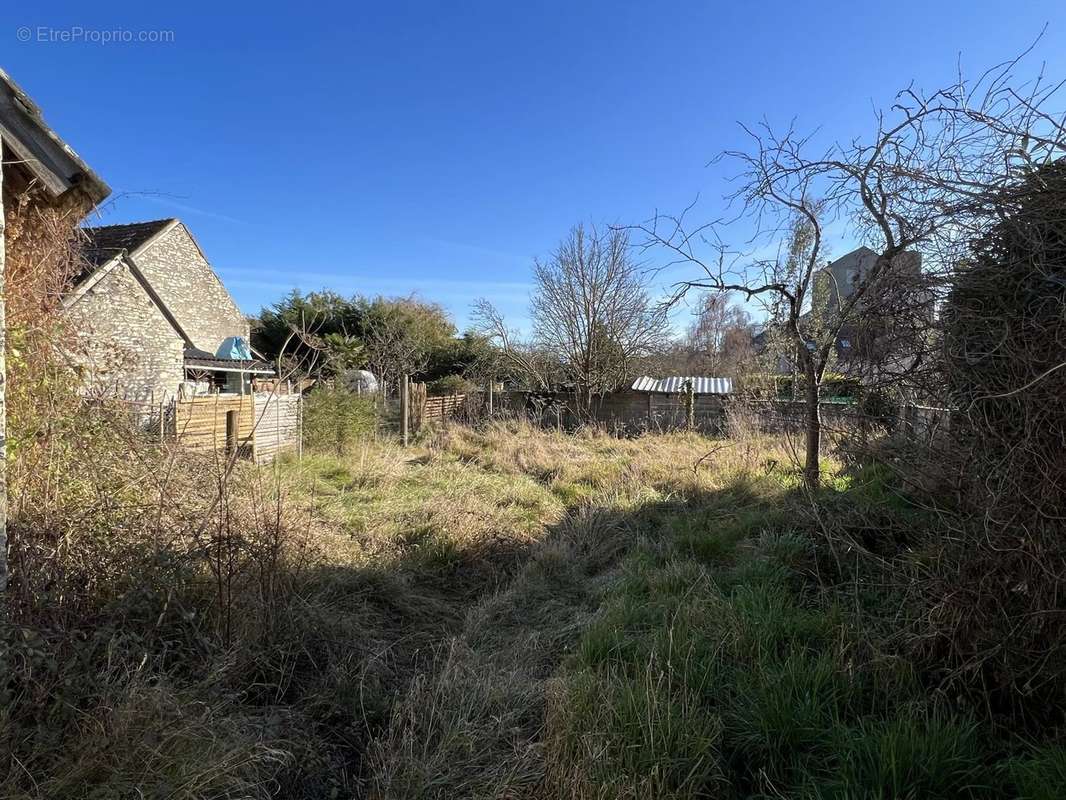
{"x":995,"y":614}
{"x":42,"y":255}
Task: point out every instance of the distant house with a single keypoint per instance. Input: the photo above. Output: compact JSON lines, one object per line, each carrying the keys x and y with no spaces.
{"x":866,"y":339}
{"x":835,"y":283}
{"x":152,"y":318}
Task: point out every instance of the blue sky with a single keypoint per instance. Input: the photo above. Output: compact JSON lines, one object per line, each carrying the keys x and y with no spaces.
{"x":438,"y":147}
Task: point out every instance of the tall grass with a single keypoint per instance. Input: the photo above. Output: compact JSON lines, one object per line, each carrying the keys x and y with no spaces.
{"x":496,"y":612}
{"x":740,"y":625}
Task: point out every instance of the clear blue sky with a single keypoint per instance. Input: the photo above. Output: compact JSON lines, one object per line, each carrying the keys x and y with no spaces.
{"x":438,"y":147}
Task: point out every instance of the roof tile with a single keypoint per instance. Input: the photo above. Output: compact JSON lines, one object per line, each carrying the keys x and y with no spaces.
{"x":104,"y":242}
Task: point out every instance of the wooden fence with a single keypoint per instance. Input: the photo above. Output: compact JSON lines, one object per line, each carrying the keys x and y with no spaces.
{"x":277,"y":426}
{"x":626,"y":411}
{"x":629,"y":412}
{"x":215,"y":422}
{"x":255,"y":426}
{"x":442,"y":406}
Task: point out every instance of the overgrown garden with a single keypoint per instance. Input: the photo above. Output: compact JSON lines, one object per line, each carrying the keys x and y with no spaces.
{"x":501,"y":610}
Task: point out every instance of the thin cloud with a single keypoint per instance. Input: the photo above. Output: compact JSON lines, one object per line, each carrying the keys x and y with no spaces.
{"x":254,"y":276}
{"x":169,"y":202}
{"x":475,"y":248}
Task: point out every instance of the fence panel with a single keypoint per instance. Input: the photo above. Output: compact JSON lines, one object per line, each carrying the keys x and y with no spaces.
{"x":277,"y":425}
{"x":445,"y":405}
{"x":215,"y":422}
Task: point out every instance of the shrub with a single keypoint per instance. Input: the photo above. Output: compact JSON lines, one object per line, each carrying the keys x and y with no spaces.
{"x":335,"y":418}
{"x":1004,"y":324}
{"x":449,"y":384}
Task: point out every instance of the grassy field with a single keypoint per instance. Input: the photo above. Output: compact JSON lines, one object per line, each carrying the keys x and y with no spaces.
{"x":657,"y":617}
{"x":510,"y":613}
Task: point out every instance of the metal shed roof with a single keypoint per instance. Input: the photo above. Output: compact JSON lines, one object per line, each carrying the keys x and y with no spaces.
{"x":677,"y":384}
{"x":201,"y":359}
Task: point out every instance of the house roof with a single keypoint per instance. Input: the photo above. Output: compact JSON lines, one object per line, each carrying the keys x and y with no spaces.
{"x":861,"y":250}
{"x":39,"y":150}
{"x":104,"y":242}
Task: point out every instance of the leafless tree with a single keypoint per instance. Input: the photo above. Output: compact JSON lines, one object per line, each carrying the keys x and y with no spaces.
{"x":513,"y":355}
{"x":929,"y":177}
{"x":719,"y":340}
{"x":591,"y":308}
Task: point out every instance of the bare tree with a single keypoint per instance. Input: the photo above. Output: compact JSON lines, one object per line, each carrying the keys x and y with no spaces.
{"x":930,"y":176}
{"x":707,"y":333}
{"x":719,"y":340}
{"x":512,"y":354}
{"x":591,"y":308}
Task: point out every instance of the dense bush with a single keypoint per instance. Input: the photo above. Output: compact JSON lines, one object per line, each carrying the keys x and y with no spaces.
{"x":1005,"y":325}
{"x":390,"y":336}
{"x":765,"y":386}
{"x":449,"y":384}
{"x":335,"y":418}
{"x":996,"y":612}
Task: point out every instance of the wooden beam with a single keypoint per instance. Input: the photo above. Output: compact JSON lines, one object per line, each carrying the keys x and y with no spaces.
{"x":40,"y":150}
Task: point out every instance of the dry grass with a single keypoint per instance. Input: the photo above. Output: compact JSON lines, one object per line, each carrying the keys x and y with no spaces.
{"x":473,"y":726}
{"x":496,"y":612}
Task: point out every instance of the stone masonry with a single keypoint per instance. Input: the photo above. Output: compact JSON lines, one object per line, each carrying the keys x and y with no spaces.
{"x":188,"y":286}
{"x":127,"y":345}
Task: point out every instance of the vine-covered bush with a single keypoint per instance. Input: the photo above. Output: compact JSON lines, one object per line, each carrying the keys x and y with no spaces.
{"x":995,"y":605}
{"x":1005,"y":336}
{"x":334,"y":418}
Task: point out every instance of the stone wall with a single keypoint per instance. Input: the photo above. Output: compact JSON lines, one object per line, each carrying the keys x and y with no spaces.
{"x":188,"y":286}
{"x":123,"y":342}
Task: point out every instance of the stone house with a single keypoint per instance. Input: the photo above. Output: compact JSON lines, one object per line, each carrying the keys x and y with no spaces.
{"x":152,"y":318}
{"x":147,"y":318}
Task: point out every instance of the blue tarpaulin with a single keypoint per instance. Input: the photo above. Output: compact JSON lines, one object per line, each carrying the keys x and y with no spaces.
{"x":235,"y":347}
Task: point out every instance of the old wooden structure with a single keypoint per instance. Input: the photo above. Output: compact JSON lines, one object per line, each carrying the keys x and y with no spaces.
{"x":259,"y":427}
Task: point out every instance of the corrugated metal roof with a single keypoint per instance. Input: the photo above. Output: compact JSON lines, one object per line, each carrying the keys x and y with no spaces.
{"x":201,"y":359}
{"x":677,"y":384}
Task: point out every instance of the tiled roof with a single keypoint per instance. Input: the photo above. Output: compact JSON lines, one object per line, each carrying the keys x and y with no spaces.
{"x":103,"y":243}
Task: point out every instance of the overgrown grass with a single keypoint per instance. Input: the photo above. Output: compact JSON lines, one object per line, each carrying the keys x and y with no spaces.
{"x":499,"y":612}
{"x":729,"y":659}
